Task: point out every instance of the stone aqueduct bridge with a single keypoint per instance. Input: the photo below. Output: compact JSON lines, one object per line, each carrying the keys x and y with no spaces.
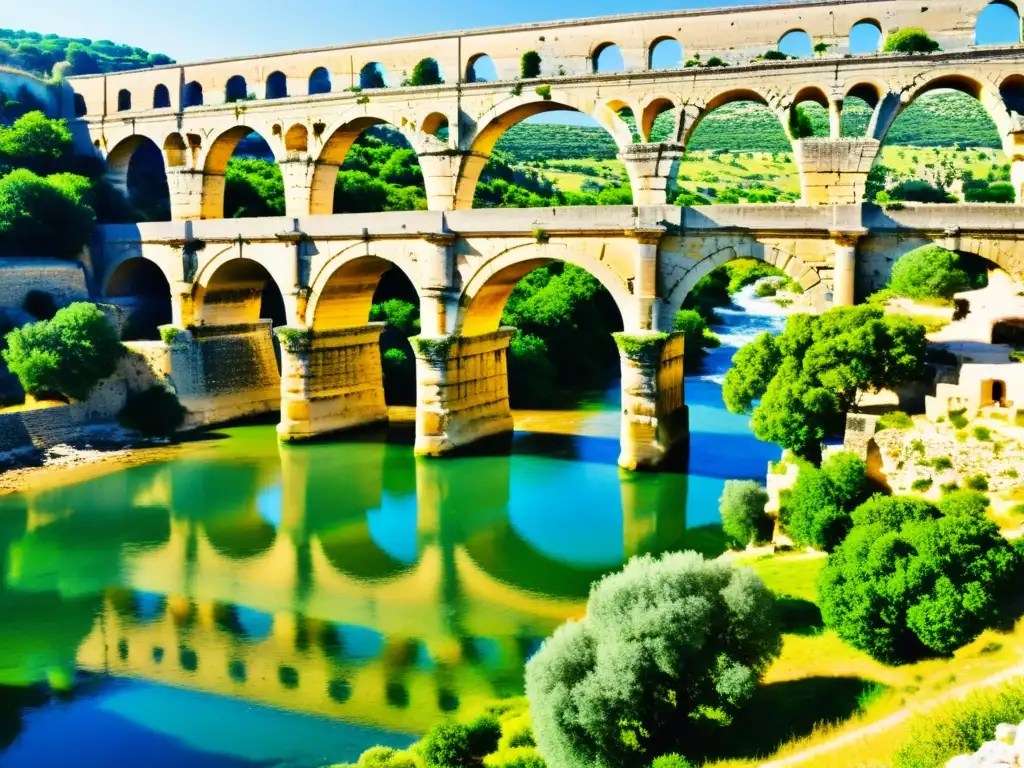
{"x":465,"y":263}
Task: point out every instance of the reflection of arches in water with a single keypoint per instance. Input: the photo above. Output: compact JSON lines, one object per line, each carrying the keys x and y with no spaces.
{"x":352,"y":551}
{"x":240,"y":539}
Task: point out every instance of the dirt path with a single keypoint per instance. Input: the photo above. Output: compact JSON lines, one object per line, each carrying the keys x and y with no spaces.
{"x":801,"y":758}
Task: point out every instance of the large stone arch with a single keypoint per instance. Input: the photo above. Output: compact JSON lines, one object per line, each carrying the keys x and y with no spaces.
{"x":215,"y":163}
{"x":977,"y":87}
{"x":119,"y":159}
{"x":477,"y":144}
{"x":144,"y":288}
{"x":487,"y":289}
{"x":729,"y":96}
{"x":228,"y":290}
{"x":718,"y":254}
{"x":341,"y":292}
{"x":337,"y":139}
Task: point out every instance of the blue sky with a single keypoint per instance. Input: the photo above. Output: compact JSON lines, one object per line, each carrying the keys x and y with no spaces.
{"x":188,"y":30}
{"x":201,"y":29}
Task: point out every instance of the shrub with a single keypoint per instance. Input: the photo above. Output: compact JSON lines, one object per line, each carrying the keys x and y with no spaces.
{"x":515,"y":757}
{"x":68,"y":354}
{"x":447,"y":746}
{"x":529,"y":64}
{"x":742,"y":506}
{"x":386,"y":757}
{"x":928,"y":272}
{"x":679,"y":640}
{"x":942,"y":463}
{"x":977,"y":482}
{"x":518,"y":732}
{"x":921,"y":484}
{"x":766,"y":289}
{"x":426,"y":72}
{"x":960,"y":727}
{"x":895,"y":420}
{"x":910,"y":40}
{"x":982,"y":433}
{"x":155,"y":412}
{"x":817,"y":512}
{"x":910,"y":581}
{"x":697,"y":337}
{"x":39,"y":217}
{"x":483,"y":735}
{"x":671,"y":761}
{"x":957,"y":419}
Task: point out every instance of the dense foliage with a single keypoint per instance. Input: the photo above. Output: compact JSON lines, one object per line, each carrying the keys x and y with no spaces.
{"x":808,"y":377}
{"x":668,"y":648}
{"x":912,"y":580}
{"x":909,"y":40}
{"x":817,"y":510}
{"x":38,"y":53}
{"x":928,"y":272}
{"x":743,"y":517}
{"x":67,"y":355}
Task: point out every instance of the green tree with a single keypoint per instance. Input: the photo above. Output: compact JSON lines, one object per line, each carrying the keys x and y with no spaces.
{"x":909,"y":40}
{"x":40,"y":218}
{"x":36,"y":143}
{"x":809,"y":376}
{"x":253,"y":187}
{"x":928,"y":272}
{"x":67,"y":355}
{"x":529,"y":65}
{"x":742,"y":508}
{"x":800,"y":124}
{"x":817,"y":511}
{"x":698,"y":339}
{"x":668,"y":647}
{"x":81,"y":59}
{"x":426,"y":72}
{"x":910,"y":581}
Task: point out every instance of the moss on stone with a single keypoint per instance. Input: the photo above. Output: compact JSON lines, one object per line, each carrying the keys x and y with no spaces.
{"x":642,"y":348}
{"x":433,"y":347}
{"x":169,"y":334}
{"x":294,"y":339}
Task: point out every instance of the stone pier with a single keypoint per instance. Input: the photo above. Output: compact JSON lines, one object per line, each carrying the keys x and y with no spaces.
{"x":834,"y":171}
{"x":655,"y":418}
{"x":330,"y":381}
{"x":462,"y":390}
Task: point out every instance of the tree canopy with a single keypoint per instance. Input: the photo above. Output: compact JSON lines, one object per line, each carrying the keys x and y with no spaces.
{"x":668,"y":647}
{"x":808,"y":377}
{"x":912,"y":579}
{"x":928,"y":272}
{"x":38,"y":53}
{"x":817,"y":510}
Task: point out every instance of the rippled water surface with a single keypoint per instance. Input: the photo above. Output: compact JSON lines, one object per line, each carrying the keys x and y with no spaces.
{"x":253,"y":605}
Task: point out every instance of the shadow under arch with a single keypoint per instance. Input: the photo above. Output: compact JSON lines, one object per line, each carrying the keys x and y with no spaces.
{"x":143,"y":285}
{"x":496,"y":122}
{"x":238,"y":291}
{"x":342,"y":292}
{"x":136,"y":168}
{"x":352,"y":551}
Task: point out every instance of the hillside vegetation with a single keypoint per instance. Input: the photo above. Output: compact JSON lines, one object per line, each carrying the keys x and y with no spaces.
{"x":38,"y":53}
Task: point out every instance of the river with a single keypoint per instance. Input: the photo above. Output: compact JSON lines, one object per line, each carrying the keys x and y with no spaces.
{"x":248,"y":605}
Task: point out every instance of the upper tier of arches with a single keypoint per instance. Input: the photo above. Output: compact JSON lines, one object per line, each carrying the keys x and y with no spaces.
{"x":605,"y":46}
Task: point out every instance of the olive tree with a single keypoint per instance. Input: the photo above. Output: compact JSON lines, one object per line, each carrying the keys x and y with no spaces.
{"x":67,"y":355}
{"x":928,"y":272}
{"x":809,"y":376}
{"x":817,"y":512}
{"x":743,"y":517}
{"x":668,"y":647}
{"x":911,"y":580}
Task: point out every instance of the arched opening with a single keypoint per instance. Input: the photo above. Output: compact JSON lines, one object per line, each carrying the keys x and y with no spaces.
{"x":242,"y":178}
{"x":866,"y":37}
{"x":372,"y":75}
{"x":796,"y":43}
{"x":546,"y":153}
{"x":236,"y":89}
{"x":998,"y":24}
{"x":608,"y":58}
{"x":161,"y":97}
{"x":367,"y":166}
{"x":193,"y":95}
{"x":135,"y":168}
{"x":426,"y":72}
{"x":239,"y":292}
{"x":554,"y":358}
{"x":666,"y":53}
{"x":1011,"y":90}
{"x":436,"y":124}
{"x":481,"y":69}
{"x":141,"y":286}
{"x":942,"y":147}
{"x":296,"y":139}
{"x":81,"y":108}
{"x":858,"y":107}
{"x":277,"y":86}
{"x":124,"y":100}
{"x":738,"y":152}
{"x":657,"y":123}
{"x":808,"y":116}
{"x":319,"y":81}
{"x":372,"y":289}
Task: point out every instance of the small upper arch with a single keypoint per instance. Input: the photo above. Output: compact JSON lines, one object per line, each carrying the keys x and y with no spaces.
{"x":236,"y":89}
{"x":161,"y":97}
{"x":193,"y":95}
{"x":607,"y":57}
{"x":124,"y":100}
{"x":276,"y":86}
{"x":481,"y":69}
{"x":434,"y":123}
{"x":866,"y":36}
{"x":319,"y":81}
{"x":665,"y":53}
{"x":998,"y":24}
{"x":297,"y":139}
{"x":372,"y":76}
{"x":651,"y":111}
{"x":796,"y":42}
{"x":175,"y":150}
